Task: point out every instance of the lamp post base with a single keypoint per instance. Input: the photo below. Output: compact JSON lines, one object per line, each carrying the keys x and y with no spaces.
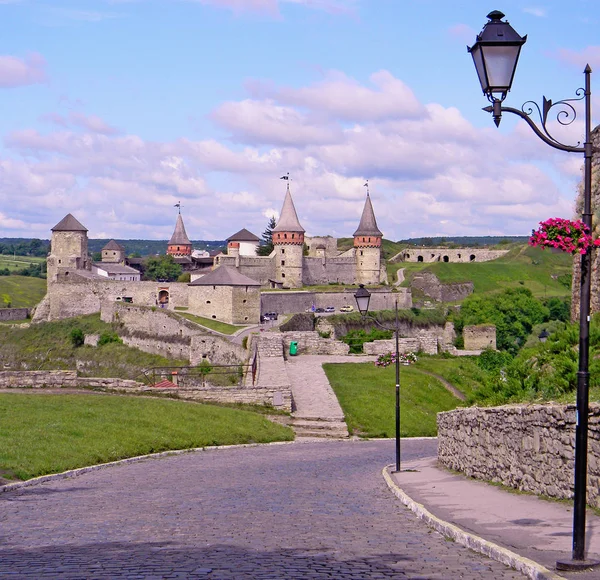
{"x":576,"y":565}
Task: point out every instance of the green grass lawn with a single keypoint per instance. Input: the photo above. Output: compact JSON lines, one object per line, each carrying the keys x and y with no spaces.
{"x":461,"y":372}
{"x":24,"y":291}
{"x":215,"y":325}
{"x":367,"y":395}
{"x":44,"y":433}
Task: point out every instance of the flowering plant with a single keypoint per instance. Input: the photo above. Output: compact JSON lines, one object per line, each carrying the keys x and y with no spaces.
{"x":565,"y":235}
{"x":389,"y":358}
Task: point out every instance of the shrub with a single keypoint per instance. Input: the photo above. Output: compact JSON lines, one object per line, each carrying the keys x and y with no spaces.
{"x":108,"y":337}
{"x":245,"y":342}
{"x":77,"y":337}
{"x":325,"y":334}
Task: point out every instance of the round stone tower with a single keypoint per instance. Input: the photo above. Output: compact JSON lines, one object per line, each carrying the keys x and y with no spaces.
{"x":288,"y":242}
{"x":68,"y":249}
{"x":367,"y":247}
{"x":179,"y":244}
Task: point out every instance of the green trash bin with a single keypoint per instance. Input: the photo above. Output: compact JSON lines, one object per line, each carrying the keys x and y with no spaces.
{"x":293,"y":347}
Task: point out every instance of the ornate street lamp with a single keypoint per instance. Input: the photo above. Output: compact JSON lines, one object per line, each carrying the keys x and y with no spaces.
{"x":495,"y":53}
{"x":362,"y":297}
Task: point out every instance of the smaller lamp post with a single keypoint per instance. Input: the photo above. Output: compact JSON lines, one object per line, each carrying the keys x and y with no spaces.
{"x":362,"y":297}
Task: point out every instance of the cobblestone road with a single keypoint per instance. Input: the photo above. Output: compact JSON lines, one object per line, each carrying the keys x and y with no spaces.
{"x":305,"y":510}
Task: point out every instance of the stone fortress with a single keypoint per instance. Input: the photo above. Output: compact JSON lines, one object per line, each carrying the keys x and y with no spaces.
{"x":230,"y":291}
{"x":228,"y":287}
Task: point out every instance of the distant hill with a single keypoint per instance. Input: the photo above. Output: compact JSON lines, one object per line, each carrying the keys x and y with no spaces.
{"x":24,"y":246}
{"x":465,"y":241}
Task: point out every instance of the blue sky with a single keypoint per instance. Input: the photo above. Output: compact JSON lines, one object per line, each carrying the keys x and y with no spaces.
{"x":115,"y":110}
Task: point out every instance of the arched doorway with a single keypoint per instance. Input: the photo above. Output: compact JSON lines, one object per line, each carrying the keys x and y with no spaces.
{"x":163,"y":298}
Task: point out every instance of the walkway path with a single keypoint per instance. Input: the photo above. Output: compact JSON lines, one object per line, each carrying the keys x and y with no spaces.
{"x":294,"y":511}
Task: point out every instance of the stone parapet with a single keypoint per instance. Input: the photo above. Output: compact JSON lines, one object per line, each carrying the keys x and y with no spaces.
{"x":530,"y":448}
{"x":310,"y":342}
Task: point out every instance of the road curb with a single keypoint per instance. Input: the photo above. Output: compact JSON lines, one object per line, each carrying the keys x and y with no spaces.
{"x":82,"y":470}
{"x":528,"y":567}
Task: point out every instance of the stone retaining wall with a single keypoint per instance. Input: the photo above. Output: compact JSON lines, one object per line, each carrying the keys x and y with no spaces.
{"x":310,"y":342}
{"x":278,"y":398}
{"x":530,"y":448}
{"x":7,"y":314}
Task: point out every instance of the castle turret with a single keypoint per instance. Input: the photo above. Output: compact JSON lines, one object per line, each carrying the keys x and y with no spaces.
{"x":113,"y":253}
{"x":367,"y":247}
{"x":179,"y":244}
{"x":68,"y":249}
{"x":288,"y":242}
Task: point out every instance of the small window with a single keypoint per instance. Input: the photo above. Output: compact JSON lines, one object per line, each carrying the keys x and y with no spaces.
{"x":244,"y":301}
{"x":213,"y":316}
{"x":293,"y":236}
{"x":283,"y":274}
{"x":208,"y":301}
{"x":283,"y":262}
{"x":283,"y":250}
{"x":285,"y":236}
{"x":361,"y":252}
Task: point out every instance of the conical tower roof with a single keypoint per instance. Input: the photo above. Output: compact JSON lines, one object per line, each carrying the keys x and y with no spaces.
{"x":179,"y":236}
{"x":288,"y":220}
{"x":368,"y":223}
{"x":68,"y":224}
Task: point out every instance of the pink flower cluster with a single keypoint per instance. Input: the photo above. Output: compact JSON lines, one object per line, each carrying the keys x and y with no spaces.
{"x":389,"y":358}
{"x":565,"y":235}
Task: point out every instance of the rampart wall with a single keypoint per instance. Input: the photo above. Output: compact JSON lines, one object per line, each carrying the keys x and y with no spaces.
{"x":7,"y":314}
{"x":448,"y":255}
{"x":530,"y":448}
{"x":161,"y":332}
{"x":430,"y":285}
{"x":327,"y":270}
{"x":294,"y":302}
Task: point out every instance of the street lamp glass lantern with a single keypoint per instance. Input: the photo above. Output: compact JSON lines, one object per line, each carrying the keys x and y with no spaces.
{"x":495,"y":54}
{"x":362,"y":297}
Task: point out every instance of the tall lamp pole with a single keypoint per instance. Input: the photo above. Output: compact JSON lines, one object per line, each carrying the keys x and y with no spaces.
{"x":362,"y":297}
{"x":495,"y":54}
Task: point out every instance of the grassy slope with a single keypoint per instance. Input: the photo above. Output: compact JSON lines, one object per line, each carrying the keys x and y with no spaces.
{"x":536,"y":269}
{"x":48,"y":346}
{"x":18,"y":262}
{"x":24,"y":291}
{"x":52,"y":433}
{"x":367,"y":396}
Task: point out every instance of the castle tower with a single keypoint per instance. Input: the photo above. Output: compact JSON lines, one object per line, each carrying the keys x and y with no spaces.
{"x":367,"y":247}
{"x":68,"y":248}
{"x":113,"y":253}
{"x":288,"y":242}
{"x":179,"y":244}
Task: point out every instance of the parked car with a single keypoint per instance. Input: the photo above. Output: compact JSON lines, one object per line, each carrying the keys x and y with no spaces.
{"x":330,"y":309}
{"x":269,"y":316}
{"x":347,"y":308}
{"x":319,"y":309}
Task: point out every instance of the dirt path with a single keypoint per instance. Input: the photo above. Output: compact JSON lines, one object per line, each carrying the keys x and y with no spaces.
{"x":449,"y":386}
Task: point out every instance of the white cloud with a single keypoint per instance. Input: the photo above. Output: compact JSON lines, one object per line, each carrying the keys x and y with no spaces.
{"x":15,"y":72}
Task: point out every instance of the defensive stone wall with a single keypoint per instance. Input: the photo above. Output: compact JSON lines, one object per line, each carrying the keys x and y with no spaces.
{"x":530,"y":448}
{"x":82,"y":295}
{"x":60,"y":379}
{"x":294,"y":302}
{"x":7,"y":314}
{"x":319,"y":246}
{"x":430,"y":285}
{"x":448,"y":255}
{"x":328,"y":270}
{"x":162,"y":332}
{"x":259,"y":268}
{"x":479,"y":337}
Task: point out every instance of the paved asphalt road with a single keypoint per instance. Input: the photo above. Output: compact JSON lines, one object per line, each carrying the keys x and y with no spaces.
{"x":305,"y":510}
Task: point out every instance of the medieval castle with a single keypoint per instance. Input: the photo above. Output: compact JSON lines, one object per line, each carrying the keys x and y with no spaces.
{"x":229,"y":291}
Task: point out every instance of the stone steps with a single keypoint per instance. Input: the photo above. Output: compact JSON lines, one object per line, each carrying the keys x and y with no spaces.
{"x":319,"y":427}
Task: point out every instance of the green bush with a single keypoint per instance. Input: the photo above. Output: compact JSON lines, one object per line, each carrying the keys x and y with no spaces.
{"x":77,"y":337}
{"x":108,"y":337}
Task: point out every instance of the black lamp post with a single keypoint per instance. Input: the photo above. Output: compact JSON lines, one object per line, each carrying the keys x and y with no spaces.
{"x":363,"y":296}
{"x":495,"y":54}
